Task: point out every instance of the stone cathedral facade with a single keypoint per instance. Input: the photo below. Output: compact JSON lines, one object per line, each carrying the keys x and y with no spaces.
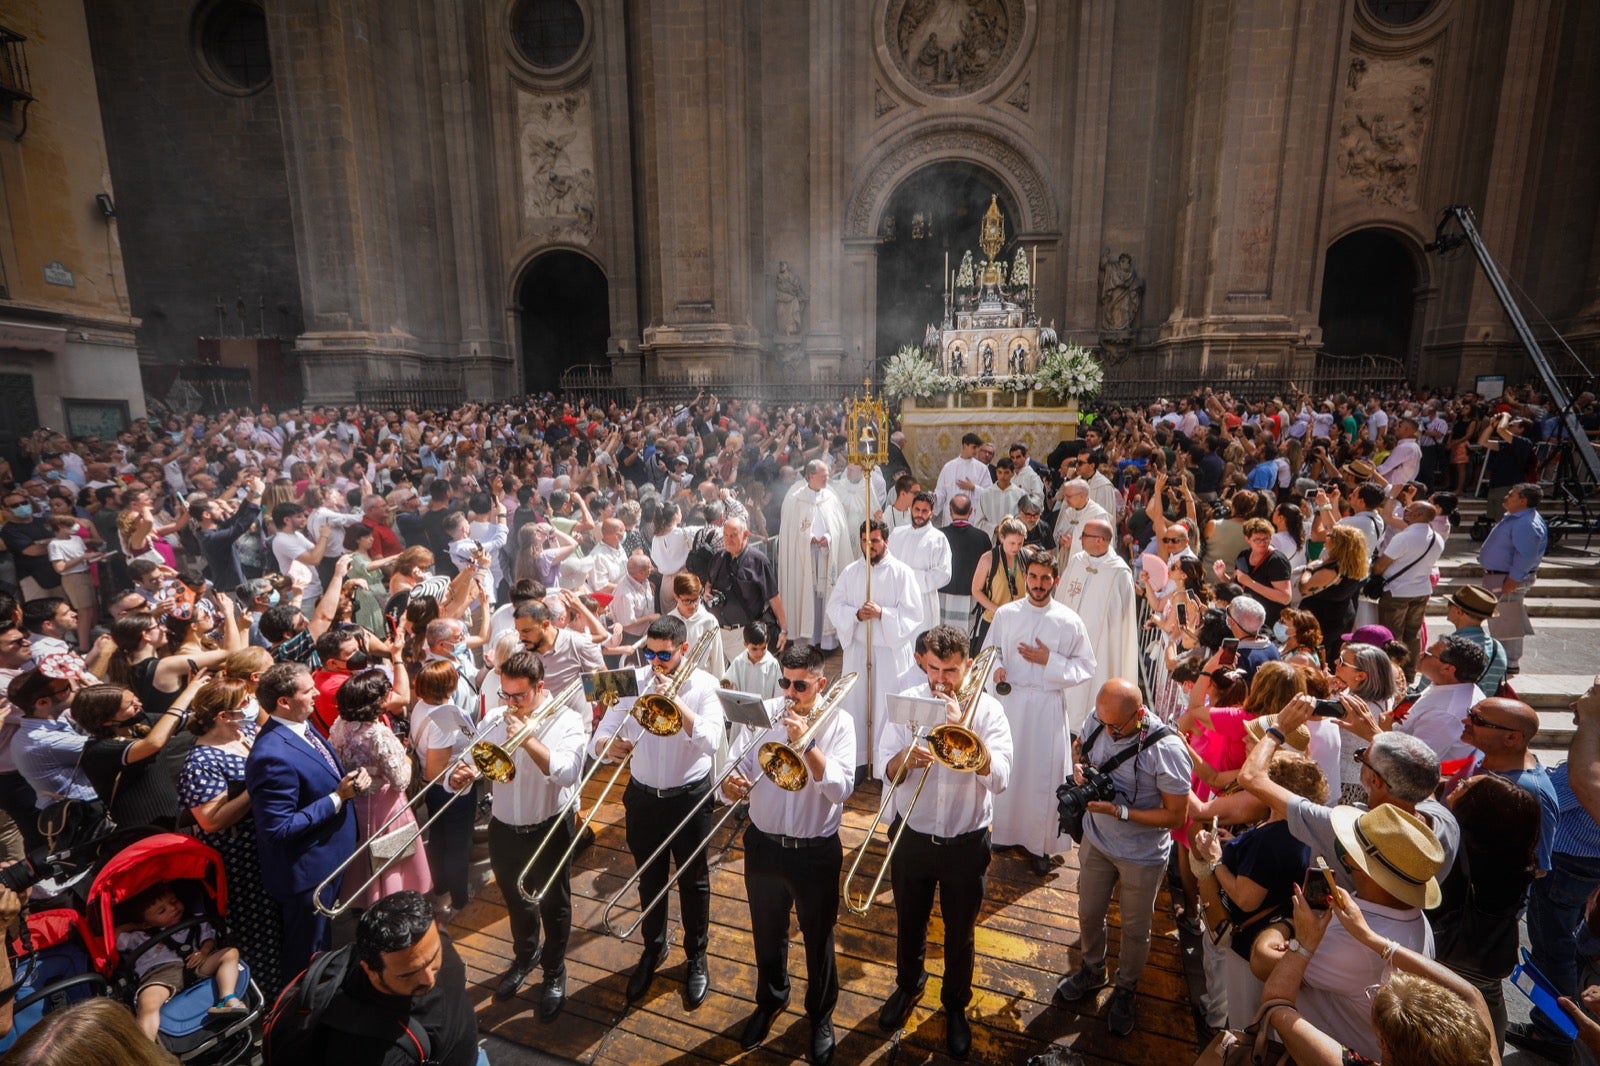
{"x":737,"y":188}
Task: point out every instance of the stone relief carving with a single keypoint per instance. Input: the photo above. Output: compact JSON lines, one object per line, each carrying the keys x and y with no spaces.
{"x":1021,"y":97}
{"x":556,"y":151}
{"x":953,"y":47}
{"x":1121,"y":294}
{"x":792,"y":300}
{"x":953,"y":140}
{"x":1382,"y":127}
{"x":882,"y":102}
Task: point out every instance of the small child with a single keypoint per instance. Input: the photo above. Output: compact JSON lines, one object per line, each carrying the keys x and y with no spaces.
{"x":756,"y":671}
{"x":160,"y":970}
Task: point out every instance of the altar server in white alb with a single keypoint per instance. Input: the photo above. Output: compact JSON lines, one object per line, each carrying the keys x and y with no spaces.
{"x":1044,"y":653}
{"x":813,"y":547}
{"x":926,"y":550}
{"x":895,"y":614}
{"x":965,"y":473}
{"x":1098,"y":585}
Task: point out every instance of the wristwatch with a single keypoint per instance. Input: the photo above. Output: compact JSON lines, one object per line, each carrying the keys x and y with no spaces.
{"x":1122,"y":812}
{"x":1299,"y":948}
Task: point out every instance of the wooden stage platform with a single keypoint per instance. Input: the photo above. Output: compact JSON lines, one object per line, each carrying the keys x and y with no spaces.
{"x":1027,"y":939}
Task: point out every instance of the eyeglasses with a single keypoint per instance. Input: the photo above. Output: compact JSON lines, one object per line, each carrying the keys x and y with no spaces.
{"x":798,"y":686}
{"x":1477,"y":719}
{"x":1174,"y":540}
{"x":19,"y":642}
{"x":1360,"y":756}
{"x":517,"y":697}
{"x":1347,"y":664}
{"x":657,"y":656}
{"x":1095,"y":536}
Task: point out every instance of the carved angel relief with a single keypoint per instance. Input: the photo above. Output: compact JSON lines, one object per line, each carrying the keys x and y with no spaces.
{"x":953,"y":47}
{"x":1382,"y":127}
{"x":556,"y":143}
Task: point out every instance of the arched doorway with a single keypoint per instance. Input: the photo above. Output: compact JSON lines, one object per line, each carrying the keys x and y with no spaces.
{"x":935,"y":211}
{"x":566,"y":317}
{"x":1369,"y":296}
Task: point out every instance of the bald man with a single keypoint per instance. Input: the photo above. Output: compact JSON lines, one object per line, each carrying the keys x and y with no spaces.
{"x":1126,"y":838}
{"x":608,"y":562}
{"x":1502,"y":730}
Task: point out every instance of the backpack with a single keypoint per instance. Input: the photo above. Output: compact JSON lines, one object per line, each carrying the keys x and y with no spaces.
{"x":703,"y":550}
{"x":314,"y":1001}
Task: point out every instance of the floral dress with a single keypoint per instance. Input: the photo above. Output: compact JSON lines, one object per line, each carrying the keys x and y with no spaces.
{"x":254,"y":920}
{"x":374,"y":746}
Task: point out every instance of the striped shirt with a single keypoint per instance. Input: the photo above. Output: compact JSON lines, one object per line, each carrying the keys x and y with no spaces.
{"x":1576,"y":831}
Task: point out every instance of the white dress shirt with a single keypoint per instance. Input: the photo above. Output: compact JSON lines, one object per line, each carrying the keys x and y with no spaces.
{"x":532,"y":797}
{"x":952,"y":803}
{"x":630,"y":601}
{"x":814,"y":810}
{"x":667,"y":762}
{"x":608,"y":566}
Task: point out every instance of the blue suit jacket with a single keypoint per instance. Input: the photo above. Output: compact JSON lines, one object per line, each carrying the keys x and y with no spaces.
{"x":300,"y":836}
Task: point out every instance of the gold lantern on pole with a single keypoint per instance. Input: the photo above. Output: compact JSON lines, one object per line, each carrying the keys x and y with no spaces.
{"x":866,"y":433}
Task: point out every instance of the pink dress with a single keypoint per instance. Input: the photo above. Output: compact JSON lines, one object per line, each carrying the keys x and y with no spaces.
{"x":374,"y":746}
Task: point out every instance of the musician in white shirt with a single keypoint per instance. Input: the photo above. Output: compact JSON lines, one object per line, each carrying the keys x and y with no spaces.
{"x":525,"y":810}
{"x":793,"y":856}
{"x":669,"y":778}
{"x":945,"y":847}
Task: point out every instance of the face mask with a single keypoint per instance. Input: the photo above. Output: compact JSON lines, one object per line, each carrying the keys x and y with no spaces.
{"x":53,"y":475}
{"x":23,"y":511}
{"x":1280,"y":632}
{"x":273,"y":598}
{"x":459,"y":650}
{"x":357,"y":662}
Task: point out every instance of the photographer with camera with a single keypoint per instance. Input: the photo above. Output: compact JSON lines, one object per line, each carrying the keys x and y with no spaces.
{"x":743,"y":588}
{"x":1130,"y":789}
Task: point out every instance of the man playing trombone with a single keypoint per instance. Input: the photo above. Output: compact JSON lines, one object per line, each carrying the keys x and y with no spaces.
{"x":528,"y":807}
{"x":946,"y":845}
{"x":792,"y":854}
{"x":670,"y":776}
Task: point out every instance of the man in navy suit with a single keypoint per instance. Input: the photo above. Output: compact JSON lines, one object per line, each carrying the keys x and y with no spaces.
{"x":299,"y":795}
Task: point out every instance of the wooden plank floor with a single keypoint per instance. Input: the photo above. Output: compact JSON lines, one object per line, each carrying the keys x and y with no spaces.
{"x":1027,"y":938}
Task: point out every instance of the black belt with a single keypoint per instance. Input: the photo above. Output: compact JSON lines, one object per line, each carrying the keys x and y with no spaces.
{"x":527,"y":830}
{"x":796,"y":842}
{"x":670,"y":793}
{"x":950,"y":842}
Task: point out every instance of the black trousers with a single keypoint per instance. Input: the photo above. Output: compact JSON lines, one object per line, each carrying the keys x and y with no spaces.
{"x":650,"y":820}
{"x":959,"y":873}
{"x":777,"y":879}
{"x":17,"y":799}
{"x":509,"y":850}
{"x":449,"y":844}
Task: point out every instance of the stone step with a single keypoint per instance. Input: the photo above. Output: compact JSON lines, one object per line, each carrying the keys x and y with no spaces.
{"x":1540,"y":606}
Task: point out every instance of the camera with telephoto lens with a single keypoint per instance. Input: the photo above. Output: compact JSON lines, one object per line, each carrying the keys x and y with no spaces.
{"x":715,"y":599}
{"x":1073,"y":799}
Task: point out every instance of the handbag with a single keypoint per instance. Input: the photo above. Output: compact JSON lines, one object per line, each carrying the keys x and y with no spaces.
{"x":396,"y":844}
{"x":1376,"y":582}
{"x":1475,"y":941}
{"x":1249,"y":1046}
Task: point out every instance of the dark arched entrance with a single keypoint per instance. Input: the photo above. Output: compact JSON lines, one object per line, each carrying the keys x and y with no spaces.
{"x":935,"y":211}
{"x":1369,"y":295}
{"x":566,"y":317}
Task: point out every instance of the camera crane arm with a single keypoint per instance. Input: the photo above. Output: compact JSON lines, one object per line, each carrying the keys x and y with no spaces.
{"x":1444,"y":241}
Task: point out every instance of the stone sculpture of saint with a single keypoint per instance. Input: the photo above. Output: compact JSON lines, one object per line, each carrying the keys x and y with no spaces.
{"x":1121,"y":293}
{"x":792,"y":301}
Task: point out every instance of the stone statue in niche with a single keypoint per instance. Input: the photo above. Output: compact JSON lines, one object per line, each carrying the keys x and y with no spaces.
{"x":792,"y":301}
{"x":1121,"y":294}
{"x":1018,"y":361}
{"x":987,"y":352}
{"x":1382,"y":126}
{"x":952,"y":46}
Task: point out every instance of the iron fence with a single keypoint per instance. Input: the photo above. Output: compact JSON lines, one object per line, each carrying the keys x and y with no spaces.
{"x":594,"y":383}
{"x":424,"y":393}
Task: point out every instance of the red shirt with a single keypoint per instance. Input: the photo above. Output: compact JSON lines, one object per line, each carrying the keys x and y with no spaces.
{"x":384,"y":542}
{"x":328,"y":684}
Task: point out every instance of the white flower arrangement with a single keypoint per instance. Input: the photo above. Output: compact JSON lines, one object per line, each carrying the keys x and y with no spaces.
{"x":1070,"y":371}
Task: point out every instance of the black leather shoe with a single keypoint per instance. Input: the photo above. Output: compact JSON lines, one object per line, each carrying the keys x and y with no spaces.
{"x":643,"y":974}
{"x":585,"y":841}
{"x":822,"y":1042}
{"x":757,"y":1028}
{"x":697,"y":984}
{"x":898,"y":1006}
{"x":513,"y":978}
{"x":1041,"y":864}
{"x":958,"y":1033}
{"x":553,"y":996}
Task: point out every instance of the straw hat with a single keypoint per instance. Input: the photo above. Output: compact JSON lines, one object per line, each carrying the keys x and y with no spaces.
{"x":1393,"y":848}
{"x":1361,"y":470}
{"x":1299,"y":739}
{"x":1476,"y":600}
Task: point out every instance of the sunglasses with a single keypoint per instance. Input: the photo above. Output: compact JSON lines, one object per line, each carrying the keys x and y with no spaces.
{"x":1174,"y":540}
{"x":1360,"y":756}
{"x":798,"y":686}
{"x":657,"y":656}
{"x":1477,"y":719}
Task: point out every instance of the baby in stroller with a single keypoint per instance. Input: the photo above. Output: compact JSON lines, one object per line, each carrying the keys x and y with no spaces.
{"x":162,"y":969}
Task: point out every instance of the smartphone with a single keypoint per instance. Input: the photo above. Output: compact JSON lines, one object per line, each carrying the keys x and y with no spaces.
{"x":1183,"y":615}
{"x":1327,"y":709}
{"x":1230,"y":652}
{"x":1318,"y":886}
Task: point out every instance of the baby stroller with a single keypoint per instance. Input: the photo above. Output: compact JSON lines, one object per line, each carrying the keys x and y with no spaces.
{"x":51,"y":969}
{"x":196,"y":874}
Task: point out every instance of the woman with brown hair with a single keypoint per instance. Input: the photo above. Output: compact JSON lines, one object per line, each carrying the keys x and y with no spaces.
{"x":119,"y":758}
{"x":211,"y":788}
{"x":96,"y":1032}
{"x":411,"y":568}
{"x":998,"y":578}
{"x":1329,"y":587}
{"x":145,"y":662}
{"x":1302,"y":642}
{"x":441,"y":732}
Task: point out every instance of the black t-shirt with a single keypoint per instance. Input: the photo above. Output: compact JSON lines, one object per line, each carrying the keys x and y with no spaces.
{"x":1275,"y":567}
{"x":1508,"y":464}
{"x":21,"y":535}
{"x":1270,"y":856}
{"x":968,"y":544}
{"x":438,"y":543}
{"x":145,"y":794}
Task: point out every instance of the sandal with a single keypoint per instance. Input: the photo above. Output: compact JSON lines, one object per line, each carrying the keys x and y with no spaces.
{"x":229,"y":1005}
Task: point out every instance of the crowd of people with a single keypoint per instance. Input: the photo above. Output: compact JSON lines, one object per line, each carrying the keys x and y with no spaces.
{"x":1207,"y":623}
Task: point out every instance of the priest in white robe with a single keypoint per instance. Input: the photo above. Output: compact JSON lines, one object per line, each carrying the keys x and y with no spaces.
{"x":1045,"y":654}
{"x":852,"y":494}
{"x":1072,"y":512}
{"x":926,"y":550}
{"x":965,"y":473}
{"x":893,"y":613}
{"x":813,"y":547}
{"x":1098,"y":585}
{"x":998,"y":501}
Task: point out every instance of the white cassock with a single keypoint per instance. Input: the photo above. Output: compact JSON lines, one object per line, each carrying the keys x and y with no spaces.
{"x":927,"y":552}
{"x":895,"y":589}
{"x":1069,"y":523}
{"x":1025,"y":814}
{"x":1103,"y":492}
{"x":957,"y":470}
{"x":807,"y":572}
{"x":995,"y":503}
{"x":853,"y":496}
{"x":1100,"y":590}
{"x":760,"y":678}
{"x":1027,"y":479}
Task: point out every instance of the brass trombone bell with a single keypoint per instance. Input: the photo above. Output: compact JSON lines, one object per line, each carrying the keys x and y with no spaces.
{"x":494,"y":761}
{"x":785,"y":764}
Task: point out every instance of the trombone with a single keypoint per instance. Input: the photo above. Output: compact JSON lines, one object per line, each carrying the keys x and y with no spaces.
{"x":781,"y":763}
{"x":659,"y":714}
{"x":492,"y":760}
{"x":954,"y":746}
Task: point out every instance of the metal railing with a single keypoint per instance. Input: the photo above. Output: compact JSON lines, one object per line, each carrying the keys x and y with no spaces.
{"x":16,"y":81}
{"x":592,"y":381}
{"x":440,"y":393}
